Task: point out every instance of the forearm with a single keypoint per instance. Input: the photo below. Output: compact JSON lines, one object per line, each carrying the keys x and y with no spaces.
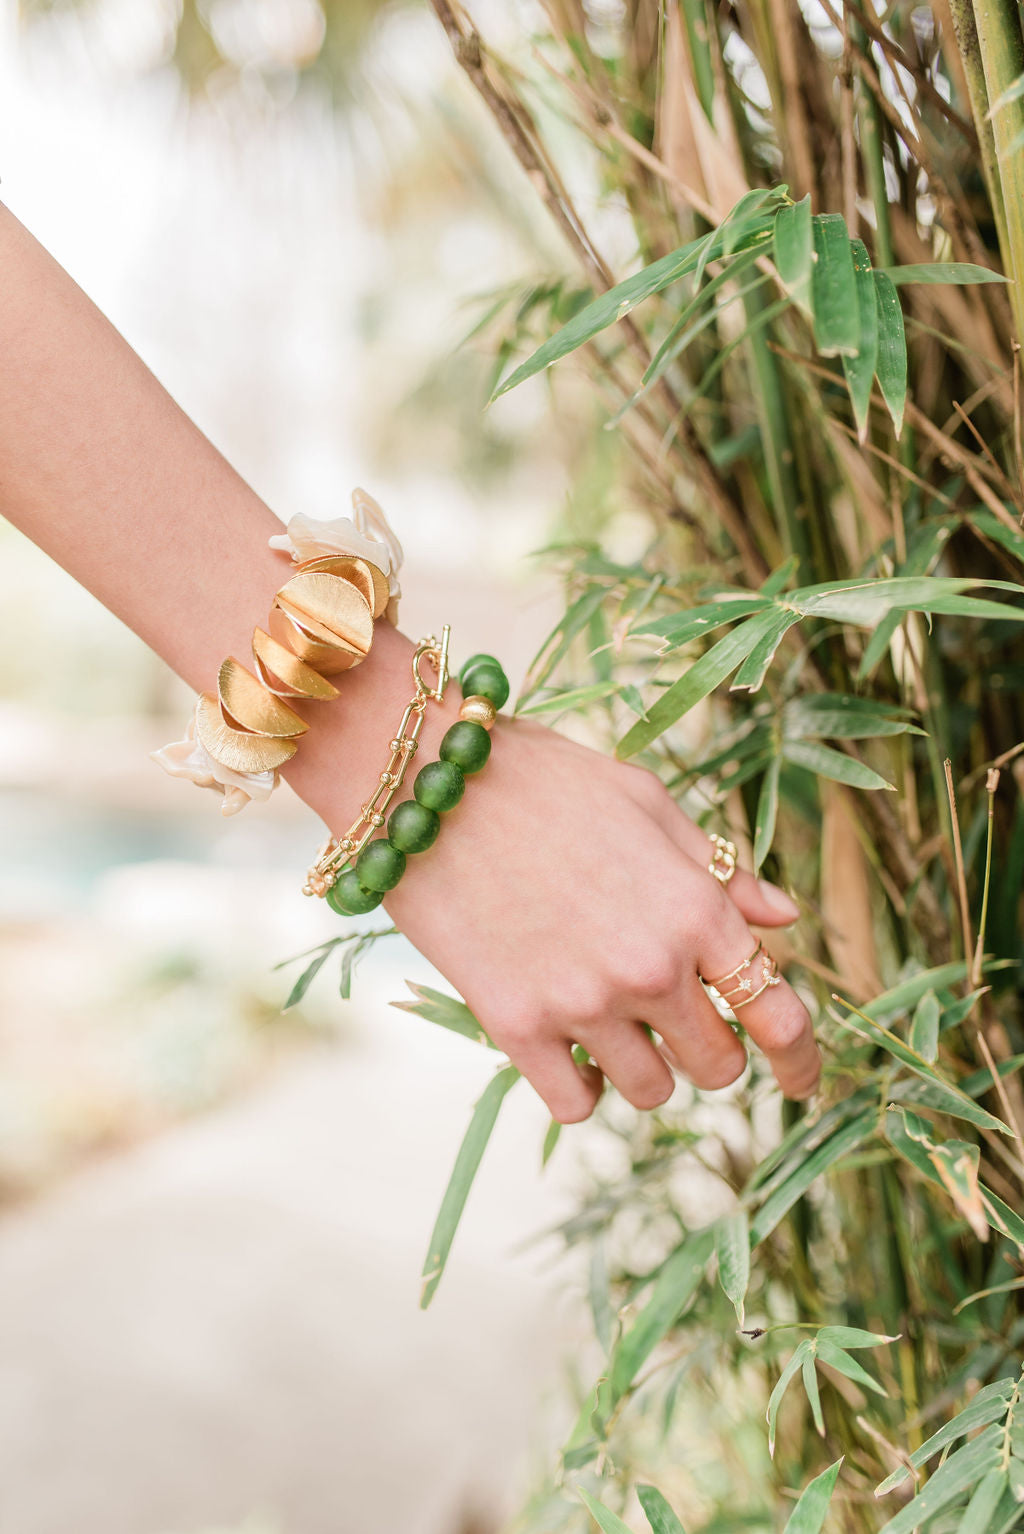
{"x":101,"y":469}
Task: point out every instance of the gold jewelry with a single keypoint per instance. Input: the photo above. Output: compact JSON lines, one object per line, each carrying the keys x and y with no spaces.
{"x":723,"y":858}
{"x":339,"y":851}
{"x":743,"y":986}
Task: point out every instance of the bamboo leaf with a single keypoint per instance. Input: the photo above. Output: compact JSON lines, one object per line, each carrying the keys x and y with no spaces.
{"x":957,"y":272}
{"x":828,"y":763}
{"x":657,"y":1511}
{"x":783,"y":1197}
{"x":551,"y":1138}
{"x":1003,"y":1217}
{"x":781,"y":1386}
{"x":891,"y":365}
{"x":767,"y":813}
{"x":572,"y":622}
{"x":924,"y":1030}
{"x":834,"y":288}
{"x":575,"y":698}
{"x":679,"y":628}
{"x":839,"y":1358}
{"x":702,"y":677}
{"x":859,"y":370}
{"x":855,"y":1337}
{"x":961,"y":1471}
{"x":686,"y":328}
{"x":842,"y":716}
{"x":977,"y":1519}
{"x":988,"y":1405}
{"x":732,"y":1246}
{"x":307,"y":977}
{"x":467,"y":1164}
{"x":808,"y":1517}
{"x":446,"y":1011}
{"x":751,"y":674}
{"x":810,"y":1379}
{"x":794,"y":251}
{"x":699,"y":48}
{"x":603,"y":1516}
{"x":672,"y":1290}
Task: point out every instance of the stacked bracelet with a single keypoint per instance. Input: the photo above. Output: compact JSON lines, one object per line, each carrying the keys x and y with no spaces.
{"x":354,"y":872}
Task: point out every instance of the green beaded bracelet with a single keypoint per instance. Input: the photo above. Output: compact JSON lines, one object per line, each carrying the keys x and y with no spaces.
{"x":377,"y":866}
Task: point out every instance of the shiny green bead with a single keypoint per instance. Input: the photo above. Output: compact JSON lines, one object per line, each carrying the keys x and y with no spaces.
{"x":439,"y":785}
{"x":474,"y":660}
{"x":380,"y":865}
{"x":466,"y":744}
{"x":412,"y":827}
{"x":349,"y":898}
{"x":486,"y":680}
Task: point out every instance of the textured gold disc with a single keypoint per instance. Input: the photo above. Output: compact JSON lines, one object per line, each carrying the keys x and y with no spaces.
{"x":363,"y":574}
{"x":250,"y":705}
{"x":329,"y":608}
{"x":284,"y":673}
{"x":237,"y":749}
{"x":326,"y":658}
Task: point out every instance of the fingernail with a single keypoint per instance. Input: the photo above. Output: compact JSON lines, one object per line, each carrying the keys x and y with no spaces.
{"x":779,"y":900}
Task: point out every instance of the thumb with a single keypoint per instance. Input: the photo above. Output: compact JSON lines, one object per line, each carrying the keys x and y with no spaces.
{"x":762,"y":903}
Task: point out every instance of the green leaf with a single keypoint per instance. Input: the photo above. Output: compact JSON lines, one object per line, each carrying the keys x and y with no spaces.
{"x":702,"y":677}
{"x":808,"y":1517}
{"x":825,"y":762}
{"x":842,"y":716}
{"x":671,"y":1292}
{"x":839,"y":1358}
{"x":767,"y":813}
{"x":813,"y":1394}
{"x":859,"y":370}
{"x":781,"y":1386}
{"x":447,"y":1011}
{"x":657,"y":1511}
{"x":698,"y":47}
{"x":988,"y":1405}
{"x":987,"y":1494}
{"x":932,"y":1092}
{"x":751,"y":674}
{"x":307,"y":977}
{"x":866,"y":603}
{"x":686,"y":328}
{"x":924,"y":1030}
{"x":908,"y":993}
{"x":574,"y":699}
{"x":794,"y":251}
{"x":551,"y":1138}
{"x":855,"y":1337}
{"x":603,"y":1516}
{"x":891,"y":366}
{"x":467,"y":1163}
{"x":679,"y":628}
{"x":961,"y":1471}
{"x":957,"y":272}
{"x":555,"y":647}
{"x":783,"y":1197}
{"x":834,"y":288}
{"x":732,"y":1246}
{"x":1003,"y":1217}
{"x":612,"y":306}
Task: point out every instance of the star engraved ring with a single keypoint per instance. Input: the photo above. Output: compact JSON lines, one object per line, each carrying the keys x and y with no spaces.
{"x":748,"y":980}
{"x":723,"y":858}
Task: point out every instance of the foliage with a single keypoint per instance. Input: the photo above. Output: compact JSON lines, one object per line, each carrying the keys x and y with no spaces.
{"x":814,"y":386}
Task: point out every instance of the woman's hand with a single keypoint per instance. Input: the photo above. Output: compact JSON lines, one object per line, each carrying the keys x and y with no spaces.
{"x":568,"y":900}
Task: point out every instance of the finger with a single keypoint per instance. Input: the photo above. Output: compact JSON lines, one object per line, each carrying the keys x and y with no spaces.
{"x":699,"y":1041}
{"x":631,"y":1061}
{"x":760,"y":901}
{"x":570,"y":1091}
{"x":773,"y":1015}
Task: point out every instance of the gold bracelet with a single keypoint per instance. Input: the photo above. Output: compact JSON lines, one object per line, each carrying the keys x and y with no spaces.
{"x":340,"y":851}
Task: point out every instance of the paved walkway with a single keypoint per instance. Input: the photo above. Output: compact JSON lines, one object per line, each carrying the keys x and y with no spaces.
{"x":220,"y":1330}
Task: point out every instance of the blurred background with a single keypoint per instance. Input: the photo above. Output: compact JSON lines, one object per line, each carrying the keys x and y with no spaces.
{"x":213,"y":1213}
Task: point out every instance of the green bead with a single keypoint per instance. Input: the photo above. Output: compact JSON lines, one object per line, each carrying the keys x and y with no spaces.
{"x":439,"y":785}
{"x":475,"y":660}
{"x":349,"y":898}
{"x":486,"y":680}
{"x":412,"y":827}
{"x":466,"y":744}
{"x":380,"y":865}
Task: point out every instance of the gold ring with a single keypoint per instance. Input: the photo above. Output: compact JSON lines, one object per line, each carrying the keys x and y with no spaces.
{"x":743,"y":984}
{"x":723,"y":859}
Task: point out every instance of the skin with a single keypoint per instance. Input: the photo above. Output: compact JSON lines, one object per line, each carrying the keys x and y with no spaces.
{"x":568,"y":899}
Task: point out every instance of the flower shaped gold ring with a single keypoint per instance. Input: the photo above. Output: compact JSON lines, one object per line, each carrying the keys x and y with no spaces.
{"x":723,"y":858}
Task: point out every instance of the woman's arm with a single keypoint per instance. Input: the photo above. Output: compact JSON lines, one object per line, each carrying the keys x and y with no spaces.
{"x":568,"y":900}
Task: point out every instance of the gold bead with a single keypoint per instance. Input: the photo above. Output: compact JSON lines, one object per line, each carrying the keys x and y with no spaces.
{"x":478,"y":711}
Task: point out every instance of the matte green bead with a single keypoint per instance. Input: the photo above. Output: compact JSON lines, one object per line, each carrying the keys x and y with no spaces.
{"x":439,"y":785}
{"x":412,"y":827}
{"x":479,"y":659}
{"x":380,"y":865}
{"x":466,"y":744}
{"x":486,"y":680}
{"x":349,"y":898}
